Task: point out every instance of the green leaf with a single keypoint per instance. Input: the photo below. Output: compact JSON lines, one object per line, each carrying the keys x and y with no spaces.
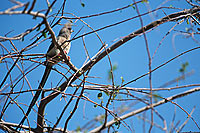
{"x":132,"y":6}
{"x":101,"y":104}
{"x":186,"y":64}
{"x":80,"y":72}
{"x":187,"y":21}
{"x":181,"y":70}
{"x":50,"y":8}
{"x":78,"y":129}
{"x":109,"y":75}
{"x":114,"y":95}
{"x":44,"y":34}
{"x":117,"y":123}
{"x":82,"y":4}
{"x":183,"y":67}
{"x":145,"y":1}
{"x":106,"y":92}
{"x":122,"y":79}
{"x":114,"y":67}
{"x":99,"y":95}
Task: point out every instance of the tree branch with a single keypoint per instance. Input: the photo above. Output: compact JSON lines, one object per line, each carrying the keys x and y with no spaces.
{"x":133,"y":113}
{"x":172,"y":17}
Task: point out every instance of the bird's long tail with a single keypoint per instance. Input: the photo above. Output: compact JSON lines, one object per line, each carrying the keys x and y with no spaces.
{"x":37,"y":94}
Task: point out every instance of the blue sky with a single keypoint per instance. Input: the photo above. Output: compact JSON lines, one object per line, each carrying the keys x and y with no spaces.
{"x":131,"y":59}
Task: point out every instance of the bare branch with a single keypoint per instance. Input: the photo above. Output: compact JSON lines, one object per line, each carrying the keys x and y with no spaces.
{"x":149,"y":107}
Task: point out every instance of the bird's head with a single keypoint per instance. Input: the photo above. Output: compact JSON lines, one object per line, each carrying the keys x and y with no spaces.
{"x":66,"y":30}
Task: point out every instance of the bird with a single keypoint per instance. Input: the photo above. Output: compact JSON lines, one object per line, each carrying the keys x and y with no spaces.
{"x":53,"y":56}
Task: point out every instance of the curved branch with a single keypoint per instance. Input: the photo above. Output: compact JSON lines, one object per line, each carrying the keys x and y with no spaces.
{"x":92,"y":62}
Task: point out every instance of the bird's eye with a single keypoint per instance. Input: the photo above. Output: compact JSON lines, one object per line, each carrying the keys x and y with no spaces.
{"x":70,"y":29}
